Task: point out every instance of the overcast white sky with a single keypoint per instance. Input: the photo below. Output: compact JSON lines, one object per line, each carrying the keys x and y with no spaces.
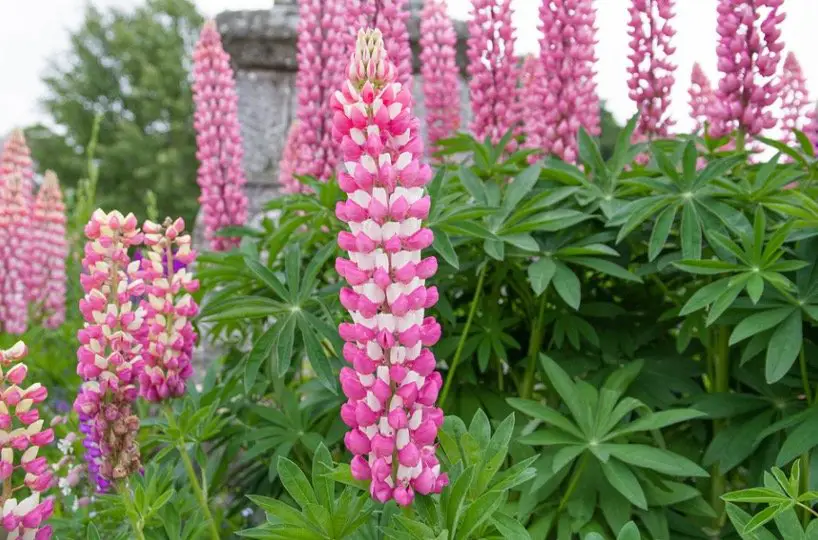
{"x":32,"y":31}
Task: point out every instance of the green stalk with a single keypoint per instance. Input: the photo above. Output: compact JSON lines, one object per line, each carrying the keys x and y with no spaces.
{"x":459,"y":351}
{"x":721,"y":384}
{"x":534,"y":344}
{"x":805,"y":457}
{"x":194,"y":480}
{"x":574,"y":481}
{"x":741,"y":139}
{"x":136,"y":523}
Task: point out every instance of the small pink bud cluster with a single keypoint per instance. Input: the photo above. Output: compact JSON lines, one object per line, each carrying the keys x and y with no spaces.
{"x":16,"y":174}
{"x":493,"y":70}
{"x":795,"y":104}
{"x":568,"y":94}
{"x":218,"y":139}
{"x":749,"y":52}
{"x":23,"y":434}
{"x":49,"y":251}
{"x":169,"y":338}
{"x":701,"y":97}
{"x":651,"y":70}
{"x":441,"y":91}
{"x":110,"y":353}
{"x":392,"y":385}
{"x":289,"y":160}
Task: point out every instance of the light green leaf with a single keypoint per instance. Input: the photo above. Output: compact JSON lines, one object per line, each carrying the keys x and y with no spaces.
{"x":295,"y":482}
{"x":785,"y":344}
{"x":759,"y":322}
{"x":540,"y":274}
{"x":657,"y":459}
{"x":624,"y":481}
{"x":567,"y":285}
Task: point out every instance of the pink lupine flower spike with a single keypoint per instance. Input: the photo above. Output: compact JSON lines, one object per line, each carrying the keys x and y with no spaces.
{"x":392,"y":384}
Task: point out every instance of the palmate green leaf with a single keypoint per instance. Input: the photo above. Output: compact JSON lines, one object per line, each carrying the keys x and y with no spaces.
{"x":736,"y":442}
{"x":661,"y":231}
{"x":756,"y":495}
{"x":690,"y":232}
{"x":606,"y":267}
{"x":520,"y":187}
{"x":759,"y":322}
{"x":245,"y":307}
{"x":740,"y":519}
{"x":561,"y":382}
{"x":540,"y":273}
{"x":648,"y":457}
{"x":589,"y":152}
{"x":296,"y":483}
{"x":473,"y":184}
{"x":443,"y":246}
{"x":517,"y":474}
{"x":624,"y":481}
{"x":657,"y":420}
{"x":315,"y":352}
{"x":638,"y":212}
{"x":547,"y":437}
{"x":705,"y":296}
{"x":284,"y":344}
{"x":457,"y":497}
{"x":282,"y":512}
{"x":495,"y":453}
{"x":764,"y":516}
{"x":477,"y":513}
{"x":261,"y":351}
{"x":785,"y":344}
{"x":726,"y":299}
{"x":706,"y":266}
{"x":508,"y":527}
{"x":269,"y":278}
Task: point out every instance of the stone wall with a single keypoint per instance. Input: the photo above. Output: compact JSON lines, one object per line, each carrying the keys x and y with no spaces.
{"x":262,"y":45}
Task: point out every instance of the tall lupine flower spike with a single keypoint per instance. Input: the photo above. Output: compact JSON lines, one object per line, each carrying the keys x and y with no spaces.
{"x":169,"y":337}
{"x":492,"y":67}
{"x":50,"y":249}
{"x":701,"y":97}
{"x":218,"y":139}
{"x":110,"y":353}
{"x":289,"y":160}
{"x":811,"y":129}
{"x":749,"y":52}
{"x":392,"y":385}
{"x":651,"y":70}
{"x":795,"y":104}
{"x":441,"y":91}
{"x":569,"y":97}
{"x":24,"y":435}
{"x":16,"y":175}
{"x":324,"y":43}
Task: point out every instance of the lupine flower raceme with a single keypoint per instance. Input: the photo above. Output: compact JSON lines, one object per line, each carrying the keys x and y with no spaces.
{"x":493,"y":70}
{"x":324,"y":43}
{"x":22,"y":427}
{"x":568,"y":96}
{"x":110,"y":354}
{"x":651,"y":70}
{"x":749,"y":52}
{"x":811,"y":129}
{"x":49,"y":251}
{"x":169,"y":337}
{"x":218,"y":139}
{"x":441,"y":91}
{"x":16,"y":174}
{"x":795,"y":104}
{"x":701,"y":97}
{"x":392,"y":385}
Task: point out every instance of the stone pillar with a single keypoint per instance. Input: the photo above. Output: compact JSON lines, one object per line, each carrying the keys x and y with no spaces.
{"x":262,"y":45}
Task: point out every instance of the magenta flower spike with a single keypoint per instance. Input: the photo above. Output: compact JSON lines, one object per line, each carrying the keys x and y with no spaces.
{"x":795,"y":104}
{"x":749,"y":52}
{"x":811,"y":129}
{"x":50,"y":250}
{"x":23,"y":518}
{"x":169,"y":307}
{"x":568,"y":95}
{"x":392,"y":385}
{"x":701,"y":97}
{"x":651,"y":70}
{"x":493,"y":70}
{"x":16,"y":174}
{"x":324,"y":44}
{"x":218,"y":139}
{"x":441,"y":91}
{"x":110,"y":354}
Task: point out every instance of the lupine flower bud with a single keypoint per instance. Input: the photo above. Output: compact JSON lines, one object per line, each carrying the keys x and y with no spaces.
{"x":441,"y":91}
{"x":493,"y":70}
{"x":701,"y":97}
{"x":651,"y":70}
{"x":795,"y":104}
{"x":110,"y":354}
{"x":568,"y":95}
{"x":169,"y":337}
{"x":49,"y":252}
{"x":392,"y":388}
{"x":749,"y":52}
{"x":218,"y":139}
{"x":21,"y":443}
{"x":16,"y":174}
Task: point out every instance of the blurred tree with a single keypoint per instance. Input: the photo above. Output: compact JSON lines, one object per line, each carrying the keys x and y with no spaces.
{"x":132,"y":68}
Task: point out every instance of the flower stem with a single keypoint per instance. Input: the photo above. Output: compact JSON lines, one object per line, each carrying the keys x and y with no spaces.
{"x":133,"y":517}
{"x":534,"y":344}
{"x":721,"y":384}
{"x":194,"y":481}
{"x":463,"y":335}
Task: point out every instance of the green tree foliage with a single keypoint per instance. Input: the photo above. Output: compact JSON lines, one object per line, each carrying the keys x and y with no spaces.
{"x":132,"y":67}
